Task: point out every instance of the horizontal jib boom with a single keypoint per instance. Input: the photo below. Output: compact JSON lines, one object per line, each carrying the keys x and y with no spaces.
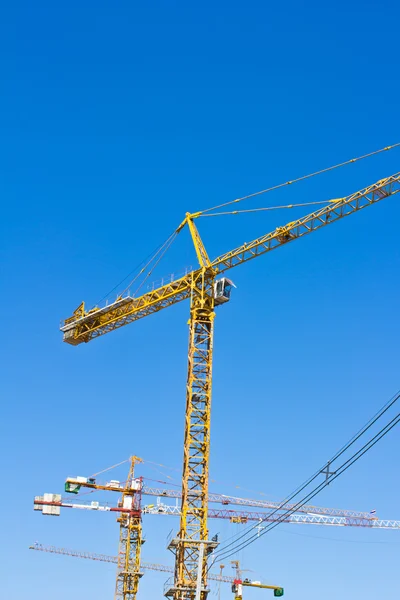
{"x":85,"y":326}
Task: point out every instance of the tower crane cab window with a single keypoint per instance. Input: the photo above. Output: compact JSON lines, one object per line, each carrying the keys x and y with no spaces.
{"x":222,"y":290}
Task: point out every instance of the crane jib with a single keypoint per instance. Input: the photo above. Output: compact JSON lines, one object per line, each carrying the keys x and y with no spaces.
{"x":85,"y":326}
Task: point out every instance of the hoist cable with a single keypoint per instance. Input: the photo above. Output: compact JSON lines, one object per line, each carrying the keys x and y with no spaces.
{"x":166,"y":247}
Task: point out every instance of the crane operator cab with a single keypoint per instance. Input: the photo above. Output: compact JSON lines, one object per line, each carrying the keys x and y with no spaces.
{"x":222,"y":290}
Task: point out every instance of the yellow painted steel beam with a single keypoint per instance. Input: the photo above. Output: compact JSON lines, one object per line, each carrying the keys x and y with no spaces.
{"x":193,"y":523}
{"x":334,"y":211}
{"x":201,"y":252}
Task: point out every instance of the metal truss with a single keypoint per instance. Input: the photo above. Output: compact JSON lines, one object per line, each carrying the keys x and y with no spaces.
{"x":261,"y":517}
{"x":145,"y":566}
{"x":234,"y":500}
{"x":191,"y":545}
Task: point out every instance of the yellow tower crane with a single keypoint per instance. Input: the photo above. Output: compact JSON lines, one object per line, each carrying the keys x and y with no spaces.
{"x":130,"y":538}
{"x":192,"y":545}
{"x":130,"y":522}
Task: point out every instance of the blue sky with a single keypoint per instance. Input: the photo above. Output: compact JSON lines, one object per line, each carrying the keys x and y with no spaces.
{"x":116,"y":119}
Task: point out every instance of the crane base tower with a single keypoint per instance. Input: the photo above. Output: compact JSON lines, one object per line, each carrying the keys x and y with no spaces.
{"x":204,"y":548}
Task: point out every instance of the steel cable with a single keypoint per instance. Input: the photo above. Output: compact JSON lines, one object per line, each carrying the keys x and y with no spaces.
{"x":280,"y":185}
{"x":346,"y":465}
{"x":310,"y":495}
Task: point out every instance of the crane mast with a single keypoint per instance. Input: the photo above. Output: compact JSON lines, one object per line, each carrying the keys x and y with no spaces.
{"x":130,"y":538}
{"x":192,"y":545}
